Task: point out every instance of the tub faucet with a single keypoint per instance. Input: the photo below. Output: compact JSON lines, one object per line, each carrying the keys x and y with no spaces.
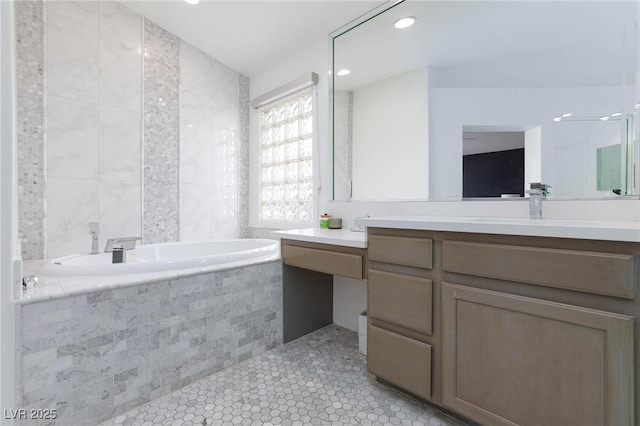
{"x":94,"y":229}
{"x":119,"y":246}
{"x":537,"y":192}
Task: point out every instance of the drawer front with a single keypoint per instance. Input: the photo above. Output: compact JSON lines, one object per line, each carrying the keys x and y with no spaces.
{"x":406,"y":251}
{"x":329,"y":262}
{"x":401,"y":300}
{"x":399,"y":360}
{"x":591,"y":272}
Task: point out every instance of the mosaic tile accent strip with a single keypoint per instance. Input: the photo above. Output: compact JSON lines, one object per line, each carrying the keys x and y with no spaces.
{"x":342,"y":144}
{"x":243,"y":156}
{"x":319,"y":379}
{"x":30,"y":126}
{"x":161,"y":107}
{"x":96,"y":355}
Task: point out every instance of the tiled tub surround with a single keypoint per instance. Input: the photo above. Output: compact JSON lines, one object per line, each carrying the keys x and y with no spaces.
{"x":209,"y":105}
{"x":93,"y":71}
{"x":97,"y":354}
{"x":99,"y":114}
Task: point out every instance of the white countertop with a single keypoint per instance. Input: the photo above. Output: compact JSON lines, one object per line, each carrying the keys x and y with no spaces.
{"x":557,"y":228}
{"x":339,"y":237}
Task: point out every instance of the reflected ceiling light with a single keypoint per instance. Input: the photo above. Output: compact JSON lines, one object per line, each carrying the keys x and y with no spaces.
{"x":637,"y":106}
{"x":615,"y":114}
{"x":192,"y":1}
{"x":405,"y":22}
{"x":557,"y":119}
{"x":343,"y":72}
{"x":566,"y":115}
{"x":604,"y":118}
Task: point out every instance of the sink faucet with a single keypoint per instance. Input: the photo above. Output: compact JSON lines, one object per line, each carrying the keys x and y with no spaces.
{"x":119,"y":246}
{"x":94,"y":229}
{"x":537,"y":192}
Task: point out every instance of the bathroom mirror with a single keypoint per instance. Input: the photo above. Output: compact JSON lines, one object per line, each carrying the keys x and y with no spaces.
{"x":564,"y":74}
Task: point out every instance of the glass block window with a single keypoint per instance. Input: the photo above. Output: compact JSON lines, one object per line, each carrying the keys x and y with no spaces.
{"x":286,"y":164}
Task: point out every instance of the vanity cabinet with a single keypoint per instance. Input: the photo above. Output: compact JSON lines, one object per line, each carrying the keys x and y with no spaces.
{"x":308,"y":271}
{"x":400,"y":311}
{"x":507,"y":329}
{"x":518,"y":360}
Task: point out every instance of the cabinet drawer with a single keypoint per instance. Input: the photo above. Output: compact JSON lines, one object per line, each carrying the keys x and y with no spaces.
{"x":406,"y":251}
{"x":399,"y":360}
{"x":591,"y":272}
{"x":329,"y":262}
{"x":401,"y":300}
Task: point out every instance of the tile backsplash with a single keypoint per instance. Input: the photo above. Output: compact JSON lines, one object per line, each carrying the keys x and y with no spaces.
{"x":102,"y":131}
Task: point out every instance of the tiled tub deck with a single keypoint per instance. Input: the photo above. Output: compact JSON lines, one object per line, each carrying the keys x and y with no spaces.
{"x":95,"y":355}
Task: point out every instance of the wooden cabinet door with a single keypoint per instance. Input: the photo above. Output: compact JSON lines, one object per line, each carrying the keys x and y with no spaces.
{"x":521,"y":361}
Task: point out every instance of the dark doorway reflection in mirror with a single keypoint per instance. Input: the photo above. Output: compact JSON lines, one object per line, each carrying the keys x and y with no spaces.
{"x":499,"y":161}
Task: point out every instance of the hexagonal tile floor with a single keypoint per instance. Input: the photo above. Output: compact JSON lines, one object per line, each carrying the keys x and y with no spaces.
{"x":319,"y":379}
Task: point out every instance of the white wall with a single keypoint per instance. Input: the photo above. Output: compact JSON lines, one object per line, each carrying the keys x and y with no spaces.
{"x":390,"y":138}
{"x":451,"y":109}
{"x":8,"y":217}
{"x":532,"y":156}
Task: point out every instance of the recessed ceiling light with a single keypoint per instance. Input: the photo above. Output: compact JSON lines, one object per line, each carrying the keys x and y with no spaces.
{"x":557,"y":119}
{"x":637,"y":106}
{"x":192,"y":1}
{"x":343,"y":72}
{"x":405,"y":22}
{"x":566,"y":115}
{"x":615,"y":114}
{"x":604,"y":118}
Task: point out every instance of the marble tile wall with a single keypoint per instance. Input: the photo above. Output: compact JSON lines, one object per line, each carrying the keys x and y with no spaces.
{"x":99,"y":130}
{"x":161,"y":135}
{"x":209,"y":108}
{"x":96,"y":355}
{"x":93,"y":107}
{"x":30,"y":126}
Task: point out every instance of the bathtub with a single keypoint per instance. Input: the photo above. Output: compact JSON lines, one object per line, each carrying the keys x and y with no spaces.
{"x":175,"y":313}
{"x":206,"y":255}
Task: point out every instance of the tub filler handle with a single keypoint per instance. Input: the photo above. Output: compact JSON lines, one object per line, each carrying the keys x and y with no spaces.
{"x":119,"y":246}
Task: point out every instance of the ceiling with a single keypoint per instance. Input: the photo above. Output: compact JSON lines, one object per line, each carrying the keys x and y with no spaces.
{"x":496,"y":43}
{"x":250,"y":36}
